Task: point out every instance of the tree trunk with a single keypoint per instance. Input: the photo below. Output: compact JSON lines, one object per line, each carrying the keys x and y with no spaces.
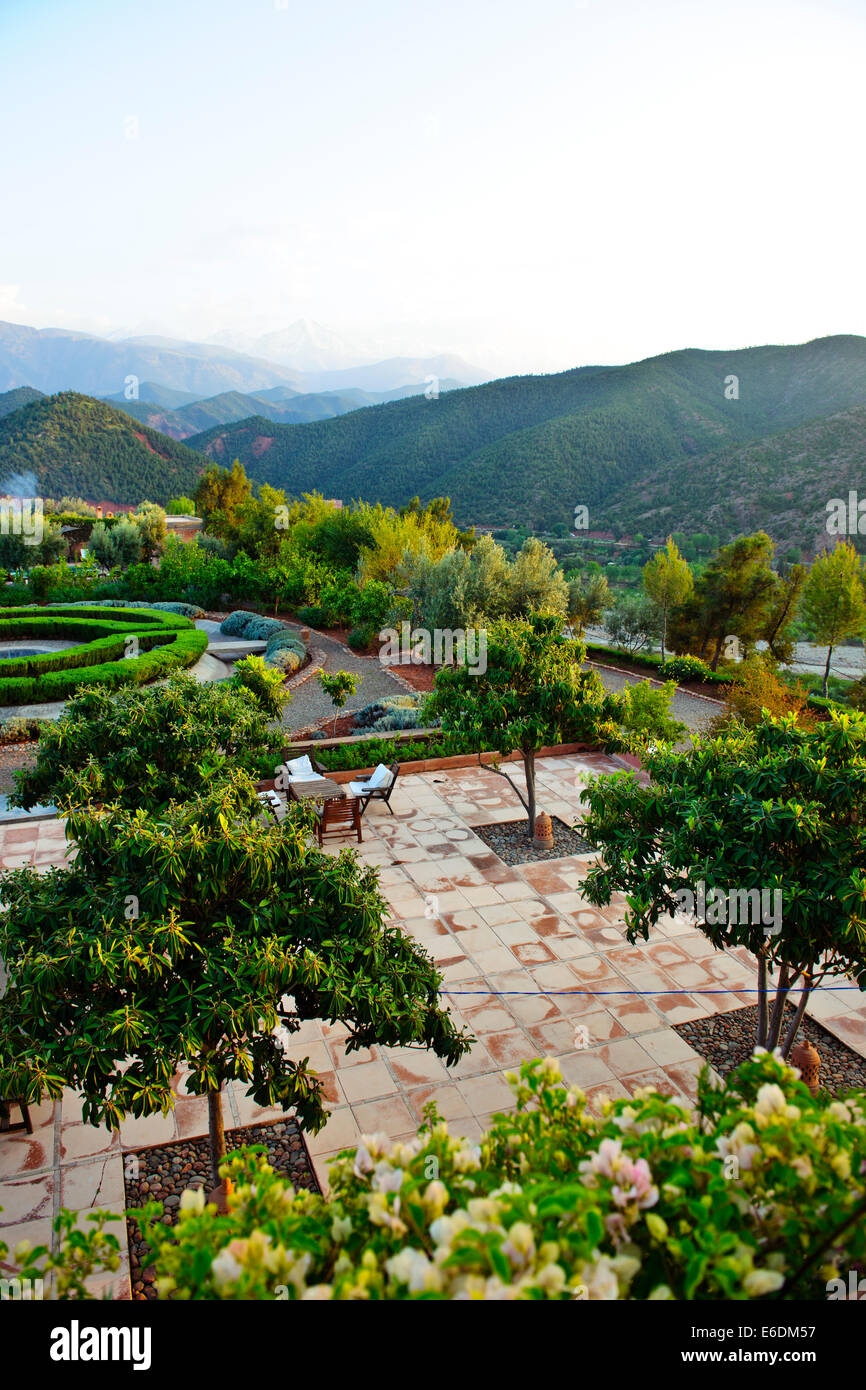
{"x":797,"y":1019}
{"x":529,"y":769}
{"x":775,"y":1025}
{"x":664,"y":631}
{"x":762,"y":1000}
{"x":716,"y":654}
{"x":216,"y":1133}
{"x":827,"y":672}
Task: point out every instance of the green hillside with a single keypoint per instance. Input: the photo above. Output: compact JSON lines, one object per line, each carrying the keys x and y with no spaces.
{"x":81,"y":447}
{"x":531,"y":448}
{"x":780,"y":484}
{"x":15,"y":399}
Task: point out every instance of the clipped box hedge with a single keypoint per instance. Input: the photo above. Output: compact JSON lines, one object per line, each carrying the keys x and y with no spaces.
{"x":166,"y":641}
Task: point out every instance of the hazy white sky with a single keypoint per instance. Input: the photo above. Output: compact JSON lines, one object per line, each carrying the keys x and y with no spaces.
{"x":535,"y":185}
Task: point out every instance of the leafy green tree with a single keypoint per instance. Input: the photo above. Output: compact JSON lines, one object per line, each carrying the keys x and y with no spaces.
{"x":338,"y":686}
{"x":146,"y":746}
{"x":186,"y":938}
{"x":668,"y":581}
{"x":102,"y":546}
{"x":634,"y":622}
{"x":127,"y":540}
{"x":645,"y":712}
{"x":150,"y":520}
{"x":218,"y":496}
{"x":834,"y":599}
{"x":771,"y":810}
{"x":180,"y":506}
{"x":532,"y":693}
{"x":536,"y":581}
{"x":587,"y":600}
{"x":734,"y":597}
{"x":783,"y":611}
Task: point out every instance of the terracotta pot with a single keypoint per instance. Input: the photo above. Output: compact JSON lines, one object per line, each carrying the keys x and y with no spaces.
{"x":305,"y":635}
{"x":807,"y":1061}
{"x":543,"y":837}
{"x":219,"y":1195}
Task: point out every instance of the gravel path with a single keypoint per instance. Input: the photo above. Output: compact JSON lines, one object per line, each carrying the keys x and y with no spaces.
{"x":310,"y":704}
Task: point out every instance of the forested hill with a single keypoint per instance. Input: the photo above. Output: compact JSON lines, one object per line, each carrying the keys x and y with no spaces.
{"x":80,"y":447}
{"x":780,"y":484}
{"x":18,"y":397}
{"x":530,"y":448}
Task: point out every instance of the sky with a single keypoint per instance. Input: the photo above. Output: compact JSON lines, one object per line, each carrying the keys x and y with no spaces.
{"x":533,"y":186}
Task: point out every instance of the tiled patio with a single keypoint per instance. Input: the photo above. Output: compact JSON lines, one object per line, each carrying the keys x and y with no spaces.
{"x":529,"y":966}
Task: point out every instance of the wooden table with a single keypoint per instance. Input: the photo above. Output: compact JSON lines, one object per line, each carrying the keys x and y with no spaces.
{"x":321,"y":789}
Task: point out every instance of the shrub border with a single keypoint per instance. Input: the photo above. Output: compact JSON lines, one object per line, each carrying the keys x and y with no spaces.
{"x":172,"y":641}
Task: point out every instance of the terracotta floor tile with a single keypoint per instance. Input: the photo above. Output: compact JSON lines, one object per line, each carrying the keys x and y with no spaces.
{"x":486,"y":1094}
{"x":412,"y":1066}
{"x":448,"y":1099}
{"x":369,"y":1080}
{"x":390,"y":1116}
{"x":510,"y":1048}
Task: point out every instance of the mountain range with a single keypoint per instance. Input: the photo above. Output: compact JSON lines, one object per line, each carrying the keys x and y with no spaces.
{"x":57,"y":359}
{"x":280,"y":404}
{"x":532,"y":448}
{"x":714,"y":441}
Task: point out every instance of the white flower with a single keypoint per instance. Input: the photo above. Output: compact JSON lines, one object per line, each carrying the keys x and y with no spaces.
{"x":341,"y":1228}
{"x":771,"y":1101}
{"x":192,"y":1200}
{"x":412,"y":1267}
{"x":225,"y":1268}
{"x":387,"y":1179}
{"x":761,"y":1281}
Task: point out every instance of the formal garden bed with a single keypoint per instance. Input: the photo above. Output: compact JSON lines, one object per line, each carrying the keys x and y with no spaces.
{"x":508,"y":839}
{"x":727,"y":1040}
{"x":108,"y":649}
{"x":163,"y":1173}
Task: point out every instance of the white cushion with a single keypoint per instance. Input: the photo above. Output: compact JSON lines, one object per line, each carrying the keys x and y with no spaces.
{"x":359,"y":788}
{"x":298,"y":767}
{"x":380,"y":778}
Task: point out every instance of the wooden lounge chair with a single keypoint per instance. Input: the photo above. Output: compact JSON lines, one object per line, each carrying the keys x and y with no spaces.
{"x":338,"y":816}
{"x":365,"y":793}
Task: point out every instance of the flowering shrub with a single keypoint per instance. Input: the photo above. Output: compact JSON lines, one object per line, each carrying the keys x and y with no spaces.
{"x":684,"y":668}
{"x":760,"y":1191}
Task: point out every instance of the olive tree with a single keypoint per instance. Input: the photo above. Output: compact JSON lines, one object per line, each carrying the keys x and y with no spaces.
{"x":761,"y":831}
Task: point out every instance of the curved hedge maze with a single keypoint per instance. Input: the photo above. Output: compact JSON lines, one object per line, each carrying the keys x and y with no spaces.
{"x":114,"y":647}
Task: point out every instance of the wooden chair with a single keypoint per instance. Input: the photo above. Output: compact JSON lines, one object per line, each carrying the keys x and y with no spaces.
{"x":378,"y":793}
{"x":6,"y":1125}
{"x":339,"y":815}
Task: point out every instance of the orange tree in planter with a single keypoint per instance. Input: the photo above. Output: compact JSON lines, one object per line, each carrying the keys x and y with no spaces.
{"x":772,"y":809}
{"x":531,"y":693}
{"x":201,"y":935}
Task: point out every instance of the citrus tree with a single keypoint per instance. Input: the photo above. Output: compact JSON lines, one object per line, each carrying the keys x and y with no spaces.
{"x":200,"y":935}
{"x":668,"y":581}
{"x":773,"y":809}
{"x":338,"y":686}
{"x":532,"y":693}
{"x":146,"y":746}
